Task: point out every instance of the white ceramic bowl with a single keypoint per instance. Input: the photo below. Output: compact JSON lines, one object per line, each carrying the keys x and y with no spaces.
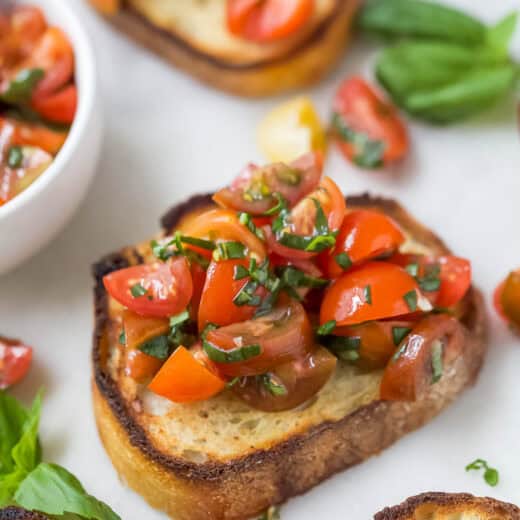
{"x":34,"y":218}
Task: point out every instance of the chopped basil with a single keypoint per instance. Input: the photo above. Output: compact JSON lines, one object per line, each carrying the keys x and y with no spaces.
{"x":343,"y":260}
{"x":122,"y":337}
{"x":198,"y":242}
{"x":430,"y":282}
{"x":231,"y":356}
{"x":15,"y":157}
{"x":232,"y":382}
{"x":399,"y":333}
{"x":437,"y":362}
{"x":137,"y":290}
{"x":289,"y":176}
{"x":345,"y":347}
{"x":281,"y":206}
{"x":292,"y":277}
{"x":411,"y":300}
{"x":163,"y":251}
{"x":20,"y":89}
{"x":368,"y":295}
{"x":412,"y":269}
{"x":273,"y":385}
{"x":490,"y":474}
{"x":246,"y":295}
{"x":240,"y":272}
{"x":246,"y":220}
{"x":179,"y":318}
{"x":326,"y":328}
{"x":181,"y":331}
{"x":229,"y":251}
{"x":158,"y":347}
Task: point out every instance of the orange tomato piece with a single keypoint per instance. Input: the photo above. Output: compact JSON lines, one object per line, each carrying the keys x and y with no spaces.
{"x":59,"y":107}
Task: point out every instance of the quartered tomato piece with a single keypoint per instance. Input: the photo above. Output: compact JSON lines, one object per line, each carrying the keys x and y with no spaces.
{"x":419,"y":361}
{"x":15,"y":360}
{"x":367,"y":128}
{"x":283,"y":335}
{"x":223,"y":225}
{"x":289,"y":385}
{"x":153,"y":290}
{"x":267,"y":20}
{"x":364,"y":235}
{"x":507,"y":299}
{"x":184,"y":379}
{"x":302,"y":222}
{"x":374,"y":291}
{"x":140,"y":366}
{"x":371,"y":344}
{"x":254,"y":188}
{"x":291,"y":130}
{"x":220,"y":289}
{"x":59,"y":107}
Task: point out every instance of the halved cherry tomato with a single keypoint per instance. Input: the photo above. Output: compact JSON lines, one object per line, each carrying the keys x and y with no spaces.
{"x":507,"y":299}
{"x":183,"y":379}
{"x":373,"y":291}
{"x":254,"y":188}
{"x":297,"y":381}
{"x":159,"y":289}
{"x":436,"y":341}
{"x":139,"y":329}
{"x":59,"y":107}
{"x":284,"y":334}
{"x":220,"y":289}
{"x":302,"y":219}
{"x":267,"y":20}
{"x":223,"y":224}
{"x":21,"y":133}
{"x":367,"y":128}
{"x":364,"y":235}
{"x":140,"y":366}
{"x":15,"y":360}
{"x":377,"y":340}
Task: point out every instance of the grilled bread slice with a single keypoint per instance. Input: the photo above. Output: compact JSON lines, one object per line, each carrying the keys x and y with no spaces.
{"x":193,"y":35}
{"x":450,"y":506}
{"x":17,"y":513}
{"x":220,"y":459}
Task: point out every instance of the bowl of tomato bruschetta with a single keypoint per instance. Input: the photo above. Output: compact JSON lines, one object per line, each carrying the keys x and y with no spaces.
{"x":50,"y":124}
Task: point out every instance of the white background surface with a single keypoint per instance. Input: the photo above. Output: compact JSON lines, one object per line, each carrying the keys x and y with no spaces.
{"x":168,"y":137}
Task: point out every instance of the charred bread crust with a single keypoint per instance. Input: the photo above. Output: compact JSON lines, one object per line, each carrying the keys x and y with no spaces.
{"x":456,"y":502}
{"x":247,"y":485}
{"x":17,"y":513}
{"x":303,"y":65}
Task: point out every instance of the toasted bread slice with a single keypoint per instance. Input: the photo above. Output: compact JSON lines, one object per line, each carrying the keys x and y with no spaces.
{"x":220,"y":459}
{"x":450,"y":506}
{"x":194,"y":37}
{"x":17,"y":513}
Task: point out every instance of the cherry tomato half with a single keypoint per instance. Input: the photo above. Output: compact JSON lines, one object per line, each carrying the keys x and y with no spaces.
{"x":367,"y":128}
{"x":302,"y":218}
{"x":364,"y":235}
{"x":59,"y":107}
{"x":183,"y":379}
{"x":267,"y":20}
{"x":297,"y":382}
{"x":140,"y":366}
{"x":15,"y":360}
{"x":283,"y":335}
{"x":374,"y":291}
{"x":254,"y":188}
{"x":420,"y":360}
{"x":153,"y":290}
{"x":507,"y":299}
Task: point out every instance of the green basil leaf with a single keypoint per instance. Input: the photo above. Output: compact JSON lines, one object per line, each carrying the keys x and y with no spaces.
{"x":273,"y":385}
{"x":9,"y":484}
{"x":345,"y":347}
{"x":417,"y":18}
{"x":499,"y":36}
{"x":234,"y":355}
{"x":437,"y":361}
{"x":13,"y":417}
{"x":158,"y":347}
{"x":15,"y":157}
{"x":52,"y":490}
{"x":21,"y":87}
{"x":327,"y":328}
{"x":399,"y":333}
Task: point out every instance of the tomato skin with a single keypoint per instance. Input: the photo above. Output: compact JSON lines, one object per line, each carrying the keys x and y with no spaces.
{"x":59,"y":107}
{"x":409,"y":376}
{"x":364,"y":235}
{"x":302,"y":379}
{"x":140,"y":366}
{"x":283,"y":335}
{"x":220,"y":288}
{"x":362,"y":110}
{"x":27,"y":24}
{"x":497,"y":300}
{"x":182,"y":379}
{"x":198,"y":276}
{"x":345,"y":301}
{"x":139,"y":329}
{"x":15,"y":361}
{"x":265,"y":21}
{"x":271,"y":177}
{"x":507,"y":299}
{"x":168,"y":284}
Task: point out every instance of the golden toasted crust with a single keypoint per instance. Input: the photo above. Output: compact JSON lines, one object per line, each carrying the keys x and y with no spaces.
{"x":246,"y":485}
{"x":292,"y":67}
{"x":447,"y":505}
{"x":17,"y":513}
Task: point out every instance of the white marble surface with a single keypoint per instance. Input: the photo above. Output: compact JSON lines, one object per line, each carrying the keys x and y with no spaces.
{"x":167,"y":137}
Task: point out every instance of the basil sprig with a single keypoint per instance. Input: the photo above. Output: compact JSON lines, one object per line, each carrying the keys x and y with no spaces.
{"x":447,"y":65}
{"x":490,"y":474}
{"x":28,"y":482}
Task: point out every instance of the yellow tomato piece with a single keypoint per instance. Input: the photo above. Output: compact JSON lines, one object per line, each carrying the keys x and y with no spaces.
{"x":291,"y":130}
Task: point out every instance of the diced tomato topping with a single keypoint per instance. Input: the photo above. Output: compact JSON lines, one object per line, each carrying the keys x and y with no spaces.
{"x":15,"y":360}
{"x":59,"y":107}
